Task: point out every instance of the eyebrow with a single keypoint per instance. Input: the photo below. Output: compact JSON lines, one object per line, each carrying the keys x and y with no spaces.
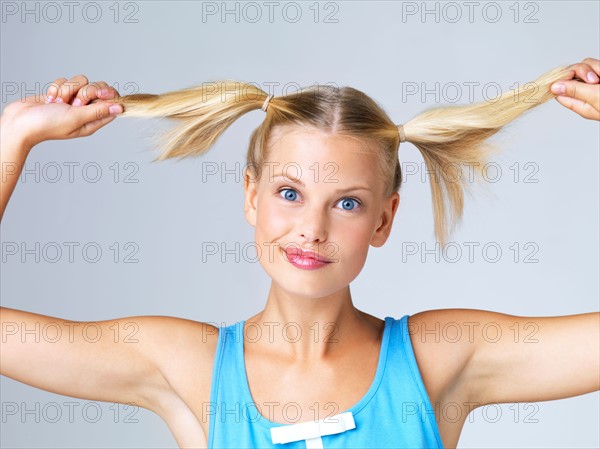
{"x":295,"y":180}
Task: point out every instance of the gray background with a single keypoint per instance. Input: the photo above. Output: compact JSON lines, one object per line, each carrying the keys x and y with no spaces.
{"x":171,"y":211}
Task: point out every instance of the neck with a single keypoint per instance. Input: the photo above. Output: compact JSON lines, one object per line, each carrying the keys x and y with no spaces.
{"x":309,"y":329}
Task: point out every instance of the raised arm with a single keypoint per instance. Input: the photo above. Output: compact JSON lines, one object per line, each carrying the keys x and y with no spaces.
{"x":542,"y":358}
{"x":112,"y":360}
{"x":144,"y":360}
{"x":13,"y":152}
{"x":529,"y":359}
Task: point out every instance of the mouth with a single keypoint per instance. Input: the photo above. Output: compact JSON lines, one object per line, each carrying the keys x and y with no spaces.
{"x":299,"y":254}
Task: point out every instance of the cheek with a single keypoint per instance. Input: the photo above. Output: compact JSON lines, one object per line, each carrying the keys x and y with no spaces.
{"x":271,"y":219}
{"x":271,"y":224}
{"x":349,"y":242}
{"x":357,"y":234}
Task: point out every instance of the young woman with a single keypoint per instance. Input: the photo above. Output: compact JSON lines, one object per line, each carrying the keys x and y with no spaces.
{"x":356,"y":380}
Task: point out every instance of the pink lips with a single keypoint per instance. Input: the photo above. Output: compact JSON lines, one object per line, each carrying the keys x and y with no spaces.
{"x":306,"y":260}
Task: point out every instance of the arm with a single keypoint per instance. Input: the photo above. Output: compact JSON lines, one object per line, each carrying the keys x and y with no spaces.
{"x":126,"y":360}
{"x":80,"y":359}
{"x":13,"y":152}
{"x":541,"y":358}
{"x":534,"y":359}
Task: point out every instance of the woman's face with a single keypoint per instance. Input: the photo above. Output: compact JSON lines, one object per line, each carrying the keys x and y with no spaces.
{"x":320,"y":193}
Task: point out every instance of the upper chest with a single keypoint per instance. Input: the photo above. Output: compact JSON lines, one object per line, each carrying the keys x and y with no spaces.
{"x":290,"y":393}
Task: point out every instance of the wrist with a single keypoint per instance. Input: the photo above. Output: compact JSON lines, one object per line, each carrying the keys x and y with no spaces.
{"x":11,"y":149}
{"x":13,"y":144}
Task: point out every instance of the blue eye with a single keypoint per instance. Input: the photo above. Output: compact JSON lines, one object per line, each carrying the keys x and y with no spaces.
{"x":291,"y":195}
{"x":348,"y":202}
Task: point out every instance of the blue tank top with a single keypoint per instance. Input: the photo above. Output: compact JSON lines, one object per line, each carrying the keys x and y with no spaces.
{"x":394,"y":413}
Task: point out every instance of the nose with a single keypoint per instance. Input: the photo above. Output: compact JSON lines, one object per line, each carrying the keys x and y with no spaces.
{"x":314,"y":225}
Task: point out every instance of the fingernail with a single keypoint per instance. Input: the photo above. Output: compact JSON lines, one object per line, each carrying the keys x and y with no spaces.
{"x":59,"y":100}
{"x":559,"y":88}
{"x":49,"y":99}
{"x":115,"y":109}
{"x":592,"y":77}
{"x":102,"y":92}
{"x":77,"y":102}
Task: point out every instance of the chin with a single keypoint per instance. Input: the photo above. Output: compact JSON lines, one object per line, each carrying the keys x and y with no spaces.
{"x":307,"y":289}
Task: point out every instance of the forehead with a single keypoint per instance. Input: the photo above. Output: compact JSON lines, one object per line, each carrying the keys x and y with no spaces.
{"x":322,"y":155}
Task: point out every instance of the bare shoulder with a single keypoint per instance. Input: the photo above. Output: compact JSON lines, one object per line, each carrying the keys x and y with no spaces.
{"x":183,"y":351}
{"x":179,"y":335}
{"x":183,"y":346}
{"x":444,"y":340}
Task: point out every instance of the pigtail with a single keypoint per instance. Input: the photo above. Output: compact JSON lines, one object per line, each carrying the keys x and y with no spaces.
{"x":202,"y":113}
{"x":451,"y":139}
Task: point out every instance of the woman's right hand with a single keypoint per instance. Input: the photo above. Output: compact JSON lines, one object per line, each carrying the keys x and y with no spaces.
{"x":71,"y":108}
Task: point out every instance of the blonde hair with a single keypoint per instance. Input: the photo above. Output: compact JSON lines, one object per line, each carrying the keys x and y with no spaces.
{"x":447,"y":136}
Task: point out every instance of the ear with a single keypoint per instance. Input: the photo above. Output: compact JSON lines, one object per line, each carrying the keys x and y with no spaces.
{"x":385,"y":221}
{"x":250,"y":194}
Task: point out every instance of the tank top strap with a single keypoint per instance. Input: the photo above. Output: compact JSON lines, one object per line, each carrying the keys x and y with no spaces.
{"x":403,"y":360}
{"x":405,"y":386}
{"x":225,"y":386}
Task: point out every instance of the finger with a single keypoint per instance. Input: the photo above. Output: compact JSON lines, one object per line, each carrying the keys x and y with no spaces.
{"x":589,"y":93}
{"x":585,"y":72}
{"x":580,"y":107}
{"x":70,"y":88}
{"x":594,"y":64}
{"x":88,"y":93}
{"x":52,"y":91}
{"x":109,"y":93}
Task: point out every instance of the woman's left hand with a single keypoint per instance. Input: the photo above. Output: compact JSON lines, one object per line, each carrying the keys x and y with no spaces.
{"x":581,"y":97}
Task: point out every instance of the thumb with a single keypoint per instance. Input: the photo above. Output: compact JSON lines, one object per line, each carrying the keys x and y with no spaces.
{"x":85,"y":116}
{"x":91,"y":127}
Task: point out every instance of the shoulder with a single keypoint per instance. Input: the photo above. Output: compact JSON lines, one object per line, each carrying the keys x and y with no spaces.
{"x":444,"y":340}
{"x":183,"y":344}
{"x":166,"y":336}
{"x":183,"y":352}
